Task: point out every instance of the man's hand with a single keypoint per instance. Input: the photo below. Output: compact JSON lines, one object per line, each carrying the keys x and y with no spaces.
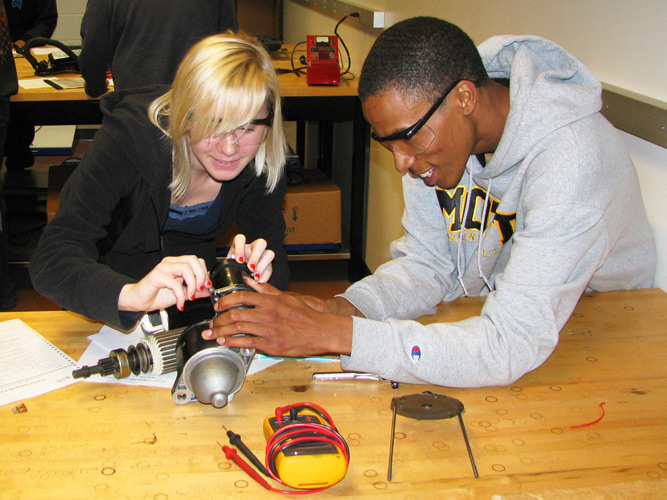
{"x":173,"y":281}
{"x":280,"y":324}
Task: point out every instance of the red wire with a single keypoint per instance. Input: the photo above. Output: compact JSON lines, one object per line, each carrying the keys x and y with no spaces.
{"x":289,"y":435}
{"x":594,"y":421}
{"x":231,"y":454}
{"x":280,"y":411}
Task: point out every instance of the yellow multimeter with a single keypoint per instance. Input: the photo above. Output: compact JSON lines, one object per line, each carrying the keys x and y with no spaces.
{"x":302,"y":452}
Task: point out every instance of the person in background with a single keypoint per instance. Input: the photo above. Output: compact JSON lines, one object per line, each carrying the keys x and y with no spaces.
{"x":168,"y":172}
{"x":142,"y":42}
{"x":27,"y":19}
{"x":516,"y":188}
{"x":8,"y":87}
{"x":31,"y":19}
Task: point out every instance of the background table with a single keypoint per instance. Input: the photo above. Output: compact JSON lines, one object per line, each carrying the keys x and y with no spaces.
{"x":94,"y":440}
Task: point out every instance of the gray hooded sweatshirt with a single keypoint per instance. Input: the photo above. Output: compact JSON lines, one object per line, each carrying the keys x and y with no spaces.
{"x":555,"y":212}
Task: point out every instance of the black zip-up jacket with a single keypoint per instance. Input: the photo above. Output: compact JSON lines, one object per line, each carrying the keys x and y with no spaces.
{"x":31,"y":18}
{"x":107,"y":231}
{"x":9,"y":84}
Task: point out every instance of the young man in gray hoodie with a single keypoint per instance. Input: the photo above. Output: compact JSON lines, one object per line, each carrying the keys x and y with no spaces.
{"x":517,"y":189}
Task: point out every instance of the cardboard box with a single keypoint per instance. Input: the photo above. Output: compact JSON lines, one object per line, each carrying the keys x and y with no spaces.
{"x":312,"y":211}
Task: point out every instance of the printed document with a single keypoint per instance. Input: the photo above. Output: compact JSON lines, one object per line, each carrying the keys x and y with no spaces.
{"x":30,"y":365}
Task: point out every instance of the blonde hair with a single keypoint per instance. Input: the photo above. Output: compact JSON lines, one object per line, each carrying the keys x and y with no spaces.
{"x":221,"y":84}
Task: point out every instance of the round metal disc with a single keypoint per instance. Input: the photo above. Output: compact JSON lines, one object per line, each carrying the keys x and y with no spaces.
{"x":428,"y":406}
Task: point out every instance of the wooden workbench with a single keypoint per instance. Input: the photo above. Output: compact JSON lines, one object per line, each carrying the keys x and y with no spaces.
{"x":291,"y":85}
{"x":529,"y":440}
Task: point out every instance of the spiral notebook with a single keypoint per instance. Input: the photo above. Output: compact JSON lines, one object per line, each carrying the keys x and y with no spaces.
{"x":30,"y":365}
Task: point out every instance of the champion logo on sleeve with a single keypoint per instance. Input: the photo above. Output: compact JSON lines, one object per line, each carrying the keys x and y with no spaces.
{"x":415,"y":353}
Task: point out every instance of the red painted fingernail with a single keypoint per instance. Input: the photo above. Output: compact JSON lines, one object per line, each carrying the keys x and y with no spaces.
{"x":252,"y":266}
{"x":193,"y":297}
{"x":180,"y":308}
{"x":209,"y":284}
{"x":241,"y":260}
{"x":256,"y":276}
{"x":201,"y":287}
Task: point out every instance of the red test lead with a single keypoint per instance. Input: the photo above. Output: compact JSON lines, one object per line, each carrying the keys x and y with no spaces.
{"x":231,"y":454}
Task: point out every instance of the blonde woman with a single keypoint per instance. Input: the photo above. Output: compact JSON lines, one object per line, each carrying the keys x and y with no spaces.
{"x":168,"y":172}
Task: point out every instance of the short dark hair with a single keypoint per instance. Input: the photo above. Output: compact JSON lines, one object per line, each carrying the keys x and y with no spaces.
{"x":420,"y":57}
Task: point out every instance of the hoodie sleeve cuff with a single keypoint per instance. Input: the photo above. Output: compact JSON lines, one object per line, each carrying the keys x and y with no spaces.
{"x":370,"y":352}
{"x":364,"y":302}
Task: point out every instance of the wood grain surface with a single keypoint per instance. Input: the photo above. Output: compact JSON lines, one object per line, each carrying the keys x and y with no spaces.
{"x":529,"y":440}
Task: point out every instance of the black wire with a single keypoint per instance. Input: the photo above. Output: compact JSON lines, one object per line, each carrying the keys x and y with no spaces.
{"x":295,"y":70}
{"x":298,"y":410}
{"x":299,"y":71}
{"x":347,"y":52}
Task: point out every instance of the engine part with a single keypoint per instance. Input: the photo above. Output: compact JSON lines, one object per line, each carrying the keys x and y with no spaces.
{"x":207,"y":371}
{"x":155,"y":355}
{"x":228,"y":277}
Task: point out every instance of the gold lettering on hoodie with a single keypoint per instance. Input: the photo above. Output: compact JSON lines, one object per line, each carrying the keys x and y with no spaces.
{"x":453,"y":203}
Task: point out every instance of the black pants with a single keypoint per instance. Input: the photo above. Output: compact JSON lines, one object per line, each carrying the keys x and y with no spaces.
{"x":7,"y":286}
{"x":20,"y":134}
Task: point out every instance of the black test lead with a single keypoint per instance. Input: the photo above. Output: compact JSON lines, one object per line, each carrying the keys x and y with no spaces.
{"x":235,"y":439}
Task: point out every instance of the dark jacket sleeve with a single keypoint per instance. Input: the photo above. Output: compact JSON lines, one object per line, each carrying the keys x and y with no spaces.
{"x":8,"y":80}
{"x":64,"y":266}
{"x":95,"y":54}
{"x":45,"y":22}
{"x":260,"y":216}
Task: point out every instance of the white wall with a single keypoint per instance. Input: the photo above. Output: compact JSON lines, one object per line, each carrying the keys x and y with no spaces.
{"x":622,"y":42}
{"x":70,"y":13}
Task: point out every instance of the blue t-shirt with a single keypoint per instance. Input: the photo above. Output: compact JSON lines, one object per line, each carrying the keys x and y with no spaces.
{"x":195,"y":219}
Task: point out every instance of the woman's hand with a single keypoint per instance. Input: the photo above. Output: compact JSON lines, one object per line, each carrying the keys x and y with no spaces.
{"x":172,"y":281}
{"x":257,"y":257}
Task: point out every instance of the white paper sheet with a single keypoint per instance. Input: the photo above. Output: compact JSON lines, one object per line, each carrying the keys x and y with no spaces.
{"x":43,"y":51}
{"x":34,"y":83}
{"x":29,"y":364}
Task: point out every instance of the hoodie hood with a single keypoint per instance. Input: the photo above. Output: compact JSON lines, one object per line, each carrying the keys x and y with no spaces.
{"x":549,"y":89}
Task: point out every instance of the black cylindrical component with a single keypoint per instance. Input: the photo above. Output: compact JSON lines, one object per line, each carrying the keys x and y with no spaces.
{"x":191,"y":342}
{"x":228,"y":277}
{"x":229,"y":274}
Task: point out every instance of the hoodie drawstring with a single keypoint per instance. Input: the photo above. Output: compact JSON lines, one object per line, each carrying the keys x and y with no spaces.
{"x":459,"y":268}
{"x":481,"y":233}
